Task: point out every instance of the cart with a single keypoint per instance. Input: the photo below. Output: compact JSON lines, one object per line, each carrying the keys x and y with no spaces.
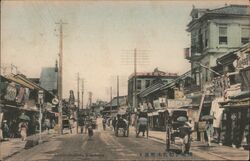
{"x":177,"y":126}
{"x":122,"y":124}
{"x":139,"y":129}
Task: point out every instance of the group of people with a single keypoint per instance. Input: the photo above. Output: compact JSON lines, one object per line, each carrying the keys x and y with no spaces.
{"x":86,"y":125}
{"x":119,"y":121}
{"x":9,"y":132}
{"x":21,"y":128}
{"x":112,"y":121}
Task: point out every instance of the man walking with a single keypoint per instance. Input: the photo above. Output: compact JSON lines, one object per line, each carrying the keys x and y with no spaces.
{"x":209,"y":131}
{"x":81,"y":124}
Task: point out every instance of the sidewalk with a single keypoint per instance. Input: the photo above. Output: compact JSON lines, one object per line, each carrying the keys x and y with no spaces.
{"x":15,"y":145}
{"x":198,"y":148}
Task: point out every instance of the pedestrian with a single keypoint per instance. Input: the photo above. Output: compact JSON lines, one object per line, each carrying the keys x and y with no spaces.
{"x":209,"y":131}
{"x":90,"y":131}
{"x":142,"y":124}
{"x":6,"y":130}
{"x":81,"y":124}
{"x":53,"y":123}
{"x":114,"y":123}
{"x":23,"y":127}
{"x":86,"y":125}
{"x":104,"y":123}
{"x":11,"y":135}
{"x":47,"y":125}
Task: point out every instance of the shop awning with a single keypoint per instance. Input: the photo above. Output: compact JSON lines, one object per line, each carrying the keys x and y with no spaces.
{"x":34,"y":109}
{"x":163,"y":110}
{"x":150,"y":89}
{"x":236,"y":106}
{"x":235,"y":103}
{"x":150,"y":114}
{"x":155,"y":113}
{"x":24,"y":82}
{"x":172,"y":83}
{"x":241,"y":95}
{"x":16,"y":80}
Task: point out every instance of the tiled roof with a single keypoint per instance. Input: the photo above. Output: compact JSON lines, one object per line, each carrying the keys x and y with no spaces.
{"x":151,"y":89}
{"x":122,"y":101}
{"x":48,"y":78}
{"x":232,"y":9}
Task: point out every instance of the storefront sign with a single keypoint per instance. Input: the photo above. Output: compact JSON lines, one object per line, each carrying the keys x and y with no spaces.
{"x":157,"y":104}
{"x":40,"y":97}
{"x":174,"y":103}
{"x":217,"y":86}
{"x":11,"y":93}
{"x":208,"y":87}
{"x":162,"y":100}
{"x":178,"y":94}
{"x":243,"y":61}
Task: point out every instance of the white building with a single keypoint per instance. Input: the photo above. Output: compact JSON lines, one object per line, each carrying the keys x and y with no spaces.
{"x":214,"y":33}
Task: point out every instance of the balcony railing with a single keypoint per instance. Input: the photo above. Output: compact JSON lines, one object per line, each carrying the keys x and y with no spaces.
{"x":191,"y":54}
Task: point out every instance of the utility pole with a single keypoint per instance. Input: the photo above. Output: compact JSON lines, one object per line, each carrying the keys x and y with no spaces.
{"x":78,"y":102}
{"x":82,"y":91}
{"x":60,"y":73}
{"x":90,"y":99}
{"x":135,"y":89}
{"x":139,"y":58}
{"x":118,"y":105}
{"x":78,"y":93}
{"x":110,"y":100}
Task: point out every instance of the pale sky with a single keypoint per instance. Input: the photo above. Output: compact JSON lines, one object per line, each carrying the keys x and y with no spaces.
{"x":97,"y":34}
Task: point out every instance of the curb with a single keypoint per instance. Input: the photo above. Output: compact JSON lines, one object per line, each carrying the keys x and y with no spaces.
{"x":195,"y":151}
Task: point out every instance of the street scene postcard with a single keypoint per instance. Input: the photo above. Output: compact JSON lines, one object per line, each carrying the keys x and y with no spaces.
{"x":124,"y":80}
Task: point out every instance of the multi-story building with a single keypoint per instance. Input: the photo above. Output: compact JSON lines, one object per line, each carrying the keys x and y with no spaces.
{"x":214,"y":33}
{"x":143,"y":80}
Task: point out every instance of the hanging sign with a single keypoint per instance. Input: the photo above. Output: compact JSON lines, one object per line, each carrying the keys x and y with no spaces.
{"x":40,"y":96}
{"x":11,"y":93}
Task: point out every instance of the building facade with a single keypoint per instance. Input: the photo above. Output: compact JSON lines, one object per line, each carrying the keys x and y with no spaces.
{"x":213,"y":34}
{"x":142,"y":81}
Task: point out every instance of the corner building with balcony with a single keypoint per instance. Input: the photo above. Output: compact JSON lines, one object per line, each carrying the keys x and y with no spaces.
{"x":215,"y":33}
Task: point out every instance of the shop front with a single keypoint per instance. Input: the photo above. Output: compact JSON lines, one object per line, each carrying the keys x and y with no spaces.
{"x":235,"y":123}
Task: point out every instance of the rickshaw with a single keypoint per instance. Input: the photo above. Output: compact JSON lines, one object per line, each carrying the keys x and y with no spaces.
{"x":66,"y":122}
{"x":122,"y":123}
{"x":138,"y":129}
{"x":177,"y":126}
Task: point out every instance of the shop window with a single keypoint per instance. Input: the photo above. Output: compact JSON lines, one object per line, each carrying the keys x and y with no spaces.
{"x":138,"y":84}
{"x":206,"y":39}
{"x":222,"y":35}
{"x":147,"y":83}
{"x":200,"y":42}
{"x":245,"y":34}
{"x":206,"y":75}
